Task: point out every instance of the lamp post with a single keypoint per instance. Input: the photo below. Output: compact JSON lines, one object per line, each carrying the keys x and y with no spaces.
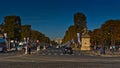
{"x":5,"y":36}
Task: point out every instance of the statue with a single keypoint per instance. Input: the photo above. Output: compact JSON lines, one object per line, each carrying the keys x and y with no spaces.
{"x":85,"y":31}
{"x":85,"y":40}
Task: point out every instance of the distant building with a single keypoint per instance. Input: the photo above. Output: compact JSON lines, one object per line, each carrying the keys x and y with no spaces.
{"x":58,"y":40}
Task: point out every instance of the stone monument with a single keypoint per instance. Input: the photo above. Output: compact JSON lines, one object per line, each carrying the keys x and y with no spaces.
{"x":85,"y":39}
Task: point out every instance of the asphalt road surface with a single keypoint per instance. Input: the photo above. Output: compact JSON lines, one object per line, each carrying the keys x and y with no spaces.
{"x":58,"y":65}
{"x":57,"y":60}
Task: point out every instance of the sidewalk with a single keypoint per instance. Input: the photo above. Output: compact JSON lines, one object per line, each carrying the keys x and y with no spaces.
{"x":107,"y":53}
{"x":112,"y":54}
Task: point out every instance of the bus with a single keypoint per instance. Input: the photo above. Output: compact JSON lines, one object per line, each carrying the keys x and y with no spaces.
{"x":3,"y":46}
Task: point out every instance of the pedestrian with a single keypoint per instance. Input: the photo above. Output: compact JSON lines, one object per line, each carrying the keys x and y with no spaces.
{"x":104,"y":48}
{"x":29,"y":50}
{"x":23,"y":50}
{"x":111,"y":48}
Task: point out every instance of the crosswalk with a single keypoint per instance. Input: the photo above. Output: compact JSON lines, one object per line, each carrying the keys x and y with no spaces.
{"x":9,"y":53}
{"x":57,"y":52}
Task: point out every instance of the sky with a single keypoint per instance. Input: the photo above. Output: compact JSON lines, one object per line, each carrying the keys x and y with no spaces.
{"x":53,"y":17}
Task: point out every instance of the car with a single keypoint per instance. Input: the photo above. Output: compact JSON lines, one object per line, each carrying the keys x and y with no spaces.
{"x":19,"y":47}
{"x":68,"y":50}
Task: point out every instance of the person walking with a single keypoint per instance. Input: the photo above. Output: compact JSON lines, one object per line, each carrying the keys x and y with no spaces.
{"x":29,"y":50}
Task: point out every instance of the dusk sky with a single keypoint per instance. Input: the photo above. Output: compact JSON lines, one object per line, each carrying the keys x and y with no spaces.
{"x":53,"y":17}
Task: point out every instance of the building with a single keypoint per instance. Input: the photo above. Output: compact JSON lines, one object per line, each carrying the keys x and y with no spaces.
{"x":58,"y":40}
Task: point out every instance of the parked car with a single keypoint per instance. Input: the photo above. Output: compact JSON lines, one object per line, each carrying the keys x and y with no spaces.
{"x":19,"y":47}
{"x":3,"y":47}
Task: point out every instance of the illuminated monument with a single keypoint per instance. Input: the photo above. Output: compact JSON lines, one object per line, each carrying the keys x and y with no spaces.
{"x":85,"y":40}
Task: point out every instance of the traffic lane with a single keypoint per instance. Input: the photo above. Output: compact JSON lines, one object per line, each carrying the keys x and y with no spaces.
{"x":38,"y":58}
{"x":70,"y":58}
{"x":59,"y":65}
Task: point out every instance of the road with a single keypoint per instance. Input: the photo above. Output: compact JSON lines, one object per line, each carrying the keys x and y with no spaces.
{"x":37,"y":60}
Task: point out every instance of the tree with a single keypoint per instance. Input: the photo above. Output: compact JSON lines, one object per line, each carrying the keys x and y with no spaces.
{"x":12,"y":26}
{"x":36,"y":35}
{"x":79,"y":25}
{"x":80,"y":20}
{"x":26,"y":31}
{"x":112,"y":27}
{"x":96,"y":37}
{"x":108,"y":34}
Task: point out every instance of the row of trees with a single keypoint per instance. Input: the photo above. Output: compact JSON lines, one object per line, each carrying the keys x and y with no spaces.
{"x":107,"y":35}
{"x":71,"y":33}
{"x":12,"y":26}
